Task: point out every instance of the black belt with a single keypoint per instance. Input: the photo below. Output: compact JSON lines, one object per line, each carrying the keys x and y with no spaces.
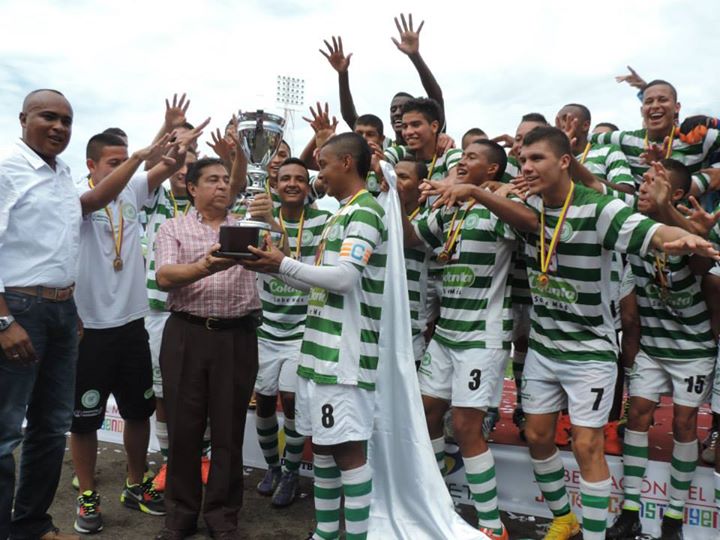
{"x":213,"y":323}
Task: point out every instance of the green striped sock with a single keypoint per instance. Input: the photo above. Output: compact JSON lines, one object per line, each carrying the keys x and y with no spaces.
{"x":438,"y":446}
{"x":550,"y":478}
{"x":327,"y":498}
{"x":595,"y":497}
{"x":267,"y":432}
{"x":635,"y":459}
{"x":357,"y":487}
{"x":682,"y":470}
{"x":480,"y":474}
{"x":294,"y":444}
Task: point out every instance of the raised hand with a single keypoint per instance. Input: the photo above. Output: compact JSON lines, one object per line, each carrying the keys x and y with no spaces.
{"x":633,"y":79}
{"x":569,"y":125}
{"x":158,"y":149}
{"x":698,"y":215}
{"x":444,"y":143}
{"x":221,"y":146}
{"x":409,"y":37}
{"x":321,"y":124}
{"x":655,"y":152}
{"x":335,"y":55}
{"x":187,"y":139}
{"x":504,"y":140}
{"x":175,"y":111}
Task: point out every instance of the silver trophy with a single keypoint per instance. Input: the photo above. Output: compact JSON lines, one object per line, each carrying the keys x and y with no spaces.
{"x":260,"y":135}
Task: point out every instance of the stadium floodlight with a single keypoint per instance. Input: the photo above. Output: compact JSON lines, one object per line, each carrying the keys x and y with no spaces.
{"x":290,"y":92}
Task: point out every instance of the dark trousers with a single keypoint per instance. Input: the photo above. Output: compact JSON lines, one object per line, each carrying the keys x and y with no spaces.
{"x":206,"y":373}
{"x":43,"y":393}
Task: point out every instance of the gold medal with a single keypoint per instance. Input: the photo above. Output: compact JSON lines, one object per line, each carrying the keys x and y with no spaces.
{"x":117,"y":264}
{"x":443,"y":257}
{"x":542,"y":281}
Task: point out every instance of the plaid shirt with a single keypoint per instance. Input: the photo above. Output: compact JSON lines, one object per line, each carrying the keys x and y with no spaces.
{"x":228,"y":294}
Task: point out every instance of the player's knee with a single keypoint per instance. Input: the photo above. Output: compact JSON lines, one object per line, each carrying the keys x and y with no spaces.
{"x":265,"y":406}
{"x":588,"y":445}
{"x":467,"y":424}
{"x":288,"y":404}
{"x":685,"y":426}
{"x":539,"y":437}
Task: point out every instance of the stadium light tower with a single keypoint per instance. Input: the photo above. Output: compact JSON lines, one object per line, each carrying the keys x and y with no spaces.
{"x":290,"y":95}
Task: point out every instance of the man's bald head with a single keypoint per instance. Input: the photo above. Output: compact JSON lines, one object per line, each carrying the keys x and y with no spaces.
{"x":46,"y":121}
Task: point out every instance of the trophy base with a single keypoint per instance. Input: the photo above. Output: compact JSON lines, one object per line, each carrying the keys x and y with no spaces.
{"x":235,"y":239}
{"x":234,"y":255}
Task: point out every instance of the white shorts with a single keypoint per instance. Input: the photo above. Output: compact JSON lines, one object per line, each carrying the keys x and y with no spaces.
{"x":465,"y":377}
{"x":687,"y":381}
{"x":277,"y":366}
{"x":584,"y":387}
{"x":155,"y":324}
{"x":333,"y":413}
{"x":521,"y":320}
{"x":419,"y":346}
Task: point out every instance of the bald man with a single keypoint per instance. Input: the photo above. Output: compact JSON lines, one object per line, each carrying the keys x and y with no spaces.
{"x":40,"y":216}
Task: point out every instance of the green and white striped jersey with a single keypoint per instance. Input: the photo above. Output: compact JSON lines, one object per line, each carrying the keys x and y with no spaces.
{"x":158,"y":210}
{"x":475,"y":305}
{"x":511,"y":170}
{"x":416,"y":271}
{"x":284,"y":307}
{"x":674,"y":321}
{"x":571,"y":316}
{"x":608,"y":162}
{"x":340,"y":345}
{"x":393,"y":154}
{"x":632,"y":143}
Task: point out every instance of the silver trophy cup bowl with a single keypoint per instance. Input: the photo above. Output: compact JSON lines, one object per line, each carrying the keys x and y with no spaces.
{"x":260,"y":134}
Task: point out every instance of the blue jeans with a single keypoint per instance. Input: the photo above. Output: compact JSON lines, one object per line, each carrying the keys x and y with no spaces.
{"x":42,"y":392}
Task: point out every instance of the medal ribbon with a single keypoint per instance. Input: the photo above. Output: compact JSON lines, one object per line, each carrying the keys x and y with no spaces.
{"x":117,"y":240}
{"x":668,"y":152}
{"x":329,"y":225}
{"x":432,"y":166}
{"x":453,"y":234}
{"x":585,"y":153}
{"x":299,"y":235}
{"x":175,"y":205}
{"x":660,"y":264}
{"x":555,"y":240}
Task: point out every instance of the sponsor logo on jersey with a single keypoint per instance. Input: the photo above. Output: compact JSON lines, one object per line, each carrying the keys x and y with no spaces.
{"x":90,"y":399}
{"x":458,"y":276}
{"x":566,"y":232}
{"x":555,"y":289}
{"x":279,"y":288}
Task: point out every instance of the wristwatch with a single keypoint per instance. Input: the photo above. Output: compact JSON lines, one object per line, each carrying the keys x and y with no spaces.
{"x":6,"y":321}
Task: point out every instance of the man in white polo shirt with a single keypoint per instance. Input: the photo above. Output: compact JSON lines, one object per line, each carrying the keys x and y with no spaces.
{"x":114,"y":356}
{"x":40,"y":216}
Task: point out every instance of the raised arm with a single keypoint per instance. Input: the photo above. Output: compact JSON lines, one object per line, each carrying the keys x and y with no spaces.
{"x":168,"y":164}
{"x":115,"y":182}
{"x":323,"y":129}
{"x":175,"y":112}
{"x":341,"y":63}
{"x":409,"y":45}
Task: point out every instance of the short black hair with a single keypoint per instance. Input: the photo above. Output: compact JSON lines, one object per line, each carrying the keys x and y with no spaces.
{"x":350,"y":143}
{"x":659,"y":82}
{"x":428,"y":107}
{"x":474,"y":132}
{"x":496,"y":154}
{"x":584,"y":111}
{"x":295,"y":161}
{"x":609,"y":125}
{"x":420,"y":168}
{"x":370,"y":120}
{"x":534,"y":117}
{"x":116,"y":131}
{"x":194,"y":170}
{"x":403,"y":94}
{"x":95,"y":145}
{"x":556,"y":139}
{"x":286,"y":144}
{"x":680,"y":175}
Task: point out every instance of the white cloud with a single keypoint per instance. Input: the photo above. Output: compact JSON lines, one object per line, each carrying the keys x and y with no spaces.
{"x":494,"y":60}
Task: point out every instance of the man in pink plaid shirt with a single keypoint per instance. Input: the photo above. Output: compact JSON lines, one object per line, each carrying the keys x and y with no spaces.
{"x":208,"y":357}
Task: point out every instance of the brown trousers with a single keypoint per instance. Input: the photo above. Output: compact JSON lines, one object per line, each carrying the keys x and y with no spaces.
{"x":206,"y":374}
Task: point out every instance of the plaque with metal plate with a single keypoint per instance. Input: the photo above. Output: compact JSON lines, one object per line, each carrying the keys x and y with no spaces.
{"x":260,"y":135}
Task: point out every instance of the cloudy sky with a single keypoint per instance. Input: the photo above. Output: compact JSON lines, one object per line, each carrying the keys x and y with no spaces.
{"x":117,"y":61}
